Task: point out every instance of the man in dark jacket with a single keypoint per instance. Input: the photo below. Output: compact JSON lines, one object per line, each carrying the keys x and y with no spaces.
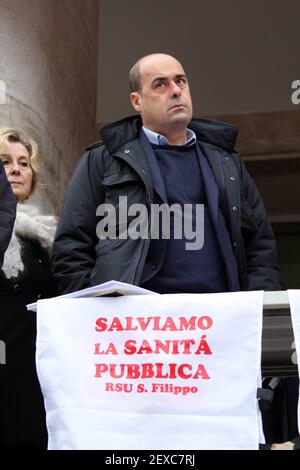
{"x":188,"y":168}
{"x":8,"y":204}
{"x":164,"y":157}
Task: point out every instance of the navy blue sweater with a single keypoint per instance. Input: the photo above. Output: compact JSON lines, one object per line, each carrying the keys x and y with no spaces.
{"x":184,"y":270}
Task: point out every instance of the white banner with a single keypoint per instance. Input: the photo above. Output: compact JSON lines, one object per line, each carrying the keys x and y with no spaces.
{"x":294,"y":299}
{"x":151,"y":372}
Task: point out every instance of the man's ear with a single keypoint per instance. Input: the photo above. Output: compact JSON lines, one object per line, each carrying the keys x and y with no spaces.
{"x":135,"y":99}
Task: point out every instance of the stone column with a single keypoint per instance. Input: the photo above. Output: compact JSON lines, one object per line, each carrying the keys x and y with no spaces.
{"x":48,"y":82}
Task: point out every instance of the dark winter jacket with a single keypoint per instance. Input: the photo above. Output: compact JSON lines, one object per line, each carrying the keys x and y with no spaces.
{"x":7,"y":212}
{"x":118,"y":167}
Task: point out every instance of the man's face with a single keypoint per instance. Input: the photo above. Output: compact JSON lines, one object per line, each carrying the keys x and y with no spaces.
{"x":164,"y":100}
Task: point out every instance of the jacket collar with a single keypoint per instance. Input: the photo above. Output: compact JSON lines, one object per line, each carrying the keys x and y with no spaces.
{"x":120,"y":133}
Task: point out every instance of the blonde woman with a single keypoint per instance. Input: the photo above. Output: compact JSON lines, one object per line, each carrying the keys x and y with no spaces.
{"x":25,"y":276}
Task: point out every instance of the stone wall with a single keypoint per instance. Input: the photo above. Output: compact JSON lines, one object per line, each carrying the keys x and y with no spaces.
{"x":48,"y":69}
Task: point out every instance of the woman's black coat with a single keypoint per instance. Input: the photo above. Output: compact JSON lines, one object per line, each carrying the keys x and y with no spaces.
{"x":22,"y":414}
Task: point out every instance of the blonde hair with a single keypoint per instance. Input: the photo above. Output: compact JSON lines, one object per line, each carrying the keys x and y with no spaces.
{"x":10,"y":135}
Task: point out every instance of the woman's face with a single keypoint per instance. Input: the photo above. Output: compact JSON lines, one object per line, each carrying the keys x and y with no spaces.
{"x":16,"y":162}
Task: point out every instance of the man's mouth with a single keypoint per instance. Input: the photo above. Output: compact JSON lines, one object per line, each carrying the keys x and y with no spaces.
{"x":178,"y":105}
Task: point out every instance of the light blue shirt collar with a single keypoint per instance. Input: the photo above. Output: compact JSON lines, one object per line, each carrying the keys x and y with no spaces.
{"x":159,"y":139}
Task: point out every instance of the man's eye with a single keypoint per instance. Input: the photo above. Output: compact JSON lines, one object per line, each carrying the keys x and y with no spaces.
{"x":159,"y":85}
{"x":181,"y":81}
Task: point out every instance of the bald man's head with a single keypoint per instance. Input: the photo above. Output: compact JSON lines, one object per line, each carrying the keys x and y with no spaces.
{"x":135,"y":73}
{"x":161,"y":95}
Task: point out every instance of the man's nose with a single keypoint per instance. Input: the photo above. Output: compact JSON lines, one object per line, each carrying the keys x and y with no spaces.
{"x":175,"y":89}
